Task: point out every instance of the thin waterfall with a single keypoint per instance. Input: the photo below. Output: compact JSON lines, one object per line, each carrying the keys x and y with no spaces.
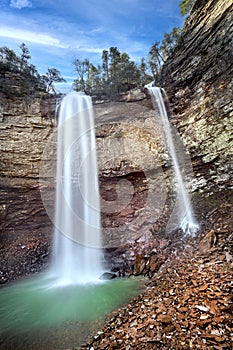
{"x":183,"y":210}
{"x":77,"y":235}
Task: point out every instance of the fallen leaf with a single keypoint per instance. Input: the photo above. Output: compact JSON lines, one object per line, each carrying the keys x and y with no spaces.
{"x":164,"y":318}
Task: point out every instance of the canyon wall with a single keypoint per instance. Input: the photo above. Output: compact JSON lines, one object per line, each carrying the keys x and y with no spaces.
{"x":199,"y":84}
{"x":134,"y":166}
{"x":25,"y":228}
{"x":25,"y":125}
{"x":199,"y":81}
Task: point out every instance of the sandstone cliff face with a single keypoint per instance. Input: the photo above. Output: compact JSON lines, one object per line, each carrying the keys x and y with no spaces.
{"x":24,"y":128}
{"x":199,"y":83}
{"x":131,"y":157}
{"x":132,"y":161}
{"x":25,"y":228}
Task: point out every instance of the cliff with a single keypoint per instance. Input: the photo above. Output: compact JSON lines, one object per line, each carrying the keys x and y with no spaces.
{"x":25,"y":228}
{"x":198,"y":81}
{"x":134,"y":166}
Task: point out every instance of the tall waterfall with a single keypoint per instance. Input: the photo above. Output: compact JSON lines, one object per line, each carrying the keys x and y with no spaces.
{"x":183,"y":216}
{"x":77,"y":234}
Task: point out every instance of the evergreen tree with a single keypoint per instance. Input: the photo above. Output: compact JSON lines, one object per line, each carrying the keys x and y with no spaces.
{"x":186,"y":6}
{"x":24,"y":57}
{"x":24,"y":79}
{"x":94,"y":80}
{"x":117,"y":74}
{"x":105,"y":64}
{"x":114,"y":55}
{"x":8,"y":59}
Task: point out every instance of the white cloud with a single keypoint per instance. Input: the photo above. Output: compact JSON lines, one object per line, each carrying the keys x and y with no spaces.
{"x":58,"y":31}
{"x":33,"y":37}
{"x":89,"y":49}
{"x":20,"y":4}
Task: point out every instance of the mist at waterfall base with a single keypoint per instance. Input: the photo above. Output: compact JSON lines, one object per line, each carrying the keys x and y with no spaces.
{"x":59,"y":308}
{"x":182,"y":216}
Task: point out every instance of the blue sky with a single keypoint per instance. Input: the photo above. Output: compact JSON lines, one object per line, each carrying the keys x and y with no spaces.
{"x":58,"y":31}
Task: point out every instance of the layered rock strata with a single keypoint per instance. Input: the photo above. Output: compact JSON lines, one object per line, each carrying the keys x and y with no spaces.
{"x":25,"y":126}
{"x":199,"y":81}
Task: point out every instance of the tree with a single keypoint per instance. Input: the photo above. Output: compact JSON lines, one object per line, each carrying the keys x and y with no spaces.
{"x":114,"y":55}
{"x":169,"y":42}
{"x":25,"y":80}
{"x":52,"y":76}
{"x":25,"y":56}
{"x":116,"y":74}
{"x":156,"y":59}
{"x":160,"y":52}
{"x":8,"y":59}
{"x":93,"y":85}
{"x":82,"y":69}
{"x":105,"y":64}
{"x":145,"y":77}
{"x":128,"y":73}
{"x":186,"y":6}
{"x":123,"y":73}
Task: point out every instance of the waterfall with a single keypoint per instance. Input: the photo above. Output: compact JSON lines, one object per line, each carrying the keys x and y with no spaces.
{"x":182,"y":216}
{"x":77,"y":251}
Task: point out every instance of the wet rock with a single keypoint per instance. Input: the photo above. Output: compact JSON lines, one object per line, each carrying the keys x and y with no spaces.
{"x":107,"y":276}
{"x":140,"y":264}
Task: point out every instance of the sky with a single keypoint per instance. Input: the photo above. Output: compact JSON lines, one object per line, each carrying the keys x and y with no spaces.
{"x":58,"y":31}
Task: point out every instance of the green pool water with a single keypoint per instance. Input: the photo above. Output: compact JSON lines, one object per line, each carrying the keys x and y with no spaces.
{"x":34,"y":315}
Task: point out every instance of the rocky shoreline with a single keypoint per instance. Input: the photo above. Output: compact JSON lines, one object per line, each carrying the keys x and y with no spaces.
{"x":189,"y":296}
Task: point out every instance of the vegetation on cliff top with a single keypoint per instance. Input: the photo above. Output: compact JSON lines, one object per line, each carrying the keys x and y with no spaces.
{"x":186,"y":6}
{"x":19,"y":77}
{"x":116,"y":73}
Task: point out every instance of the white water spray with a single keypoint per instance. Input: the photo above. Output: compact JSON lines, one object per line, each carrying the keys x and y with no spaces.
{"x":77,"y":235}
{"x":186,"y":220}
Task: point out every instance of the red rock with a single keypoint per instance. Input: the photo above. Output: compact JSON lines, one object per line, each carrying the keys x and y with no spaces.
{"x":207,"y":242}
{"x":164,"y":318}
{"x":139,"y":264}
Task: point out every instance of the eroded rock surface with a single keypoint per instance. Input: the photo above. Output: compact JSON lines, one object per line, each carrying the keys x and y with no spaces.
{"x":132,"y":158}
{"x":25,"y":126}
{"x":199,"y":82}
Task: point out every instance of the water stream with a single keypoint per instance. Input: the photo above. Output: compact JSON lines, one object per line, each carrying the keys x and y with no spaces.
{"x":183,"y":211}
{"x":77,"y":236}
